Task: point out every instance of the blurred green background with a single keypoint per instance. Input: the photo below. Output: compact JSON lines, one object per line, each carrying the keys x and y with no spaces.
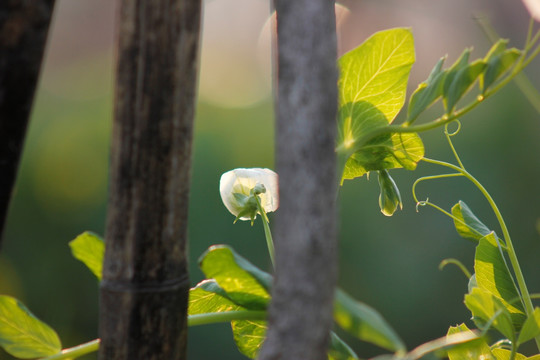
{"x":389,"y":263}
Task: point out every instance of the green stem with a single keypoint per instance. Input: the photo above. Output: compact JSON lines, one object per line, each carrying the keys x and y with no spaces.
{"x":267,"y":232}
{"x":76,"y":351}
{"x":227,"y":316}
{"x":525,"y":296}
{"x":193,"y":320}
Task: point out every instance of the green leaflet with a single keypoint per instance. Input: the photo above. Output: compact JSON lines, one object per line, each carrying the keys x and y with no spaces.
{"x":249,"y":336}
{"x":22,"y":334}
{"x":372,"y":90}
{"x":498,"y":60}
{"x":489,"y":310}
{"x":531,"y":327}
{"x":339,"y":350}
{"x":503,"y":354}
{"x":493,"y":276}
{"x":208,"y":297}
{"x":460,"y":82}
{"x":365,"y":323}
{"x":478,"y":350}
{"x":221,"y":263}
{"x":90,"y":249}
{"x":469,"y":227}
{"x":427,"y":92}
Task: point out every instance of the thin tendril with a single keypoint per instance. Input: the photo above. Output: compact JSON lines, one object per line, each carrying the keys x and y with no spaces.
{"x":448,"y":137}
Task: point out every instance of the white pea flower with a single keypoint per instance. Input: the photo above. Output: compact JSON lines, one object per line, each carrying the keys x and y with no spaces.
{"x":534,"y":8}
{"x":240,"y":187}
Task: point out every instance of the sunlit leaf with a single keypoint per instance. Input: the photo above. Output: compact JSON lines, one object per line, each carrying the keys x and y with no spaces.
{"x":90,"y":249}
{"x":372,"y":91}
{"x":531,"y":327}
{"x":208,"y":297}
{"x":427,"y":92}
{"x":469,"y":227}
{"x":249,"y":336}
{"x":228,"y":269}
{"x":493,"y":275}
{"x":22,"y":334}
{"x":365,"y":323}
{"x":487,"y":309}
{"x":471,"y":351}
{"x":503,"y":354}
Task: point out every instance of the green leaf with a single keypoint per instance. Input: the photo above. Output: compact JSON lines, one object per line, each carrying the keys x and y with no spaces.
{"x":427,"y":92}
{"x":451,"y":72}
{"x":470,"y":351}
{"x":372,"y":91}
{"x":22,"y":334}
{"x":244,"y":284}
{"x":503,"y":354}
{"x":496,"y":49}
{"x":389,"y":198}
{"x":208,"y":297}
{"x":398,"y":150}
{"x":339,"y":350}
{"x":469,"y":227}
{"x":90,"y":249}
{"x":531,"y":327}
{"x":493,"y":275}
{"x":365,"y":323}
{"x":487,"y":309}
{"x":461,"y":83}
{"x":249,"y":336}
{"x":497,"y":66}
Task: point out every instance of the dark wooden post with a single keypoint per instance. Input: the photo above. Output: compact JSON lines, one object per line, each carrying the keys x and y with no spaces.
{"x":23,"y":33}
{"x":305,"y":226}
{"x":145,"y":285}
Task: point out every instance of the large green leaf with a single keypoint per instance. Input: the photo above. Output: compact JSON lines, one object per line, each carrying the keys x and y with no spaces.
{"x":493,"y":275}
{"x":243,"y":287}
{"x":468,"y":226}
{"x":22,"y":334}
{"x":372,"y":90}
{"x":489,"y":310}
{"x":473,"y":351}
{"x":249,"y":336}
{"x":364,"y":322}
{"x":90,"y":249}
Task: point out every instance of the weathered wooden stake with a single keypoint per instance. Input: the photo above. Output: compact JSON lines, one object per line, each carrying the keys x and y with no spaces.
{"x":23,"y":33}
{"x":305,"y":224}
{"x":145,"y":285}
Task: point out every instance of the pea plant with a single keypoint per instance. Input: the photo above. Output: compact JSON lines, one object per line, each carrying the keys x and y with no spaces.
{"x":372,"y":91}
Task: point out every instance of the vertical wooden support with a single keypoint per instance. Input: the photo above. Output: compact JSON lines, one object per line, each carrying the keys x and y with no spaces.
{"x":305,"y":225}
{"x":145,"y":285}
{"x":23,"y":33}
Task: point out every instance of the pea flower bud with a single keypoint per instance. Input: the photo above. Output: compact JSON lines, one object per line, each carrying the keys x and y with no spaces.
{"x":240,"y":187}
{"x":390,"y":198}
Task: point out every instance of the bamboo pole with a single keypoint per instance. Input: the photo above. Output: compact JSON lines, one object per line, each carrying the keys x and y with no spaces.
{"x":144,"y":291}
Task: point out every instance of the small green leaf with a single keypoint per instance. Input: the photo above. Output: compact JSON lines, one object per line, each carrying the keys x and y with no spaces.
{"x":470,"y":351}
{"x":503,"y":354}
{"x":452,"y":71}
{"x":492,"y":275}
{"x":90,"y":249}
{"x":531,"y":327}
{"x":496,"y":49}
{"x":461,"y":83}
{"x":244,"y":284}
{"x":469,"y":227}
{"x":339,"y":350}
{"x":487,"y":309}
{"x":427,"y":92}
{"x":497,"y":66}
{"x":364,"y":322}
{"x":22,"y":334}
{"x":249,"y":336}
